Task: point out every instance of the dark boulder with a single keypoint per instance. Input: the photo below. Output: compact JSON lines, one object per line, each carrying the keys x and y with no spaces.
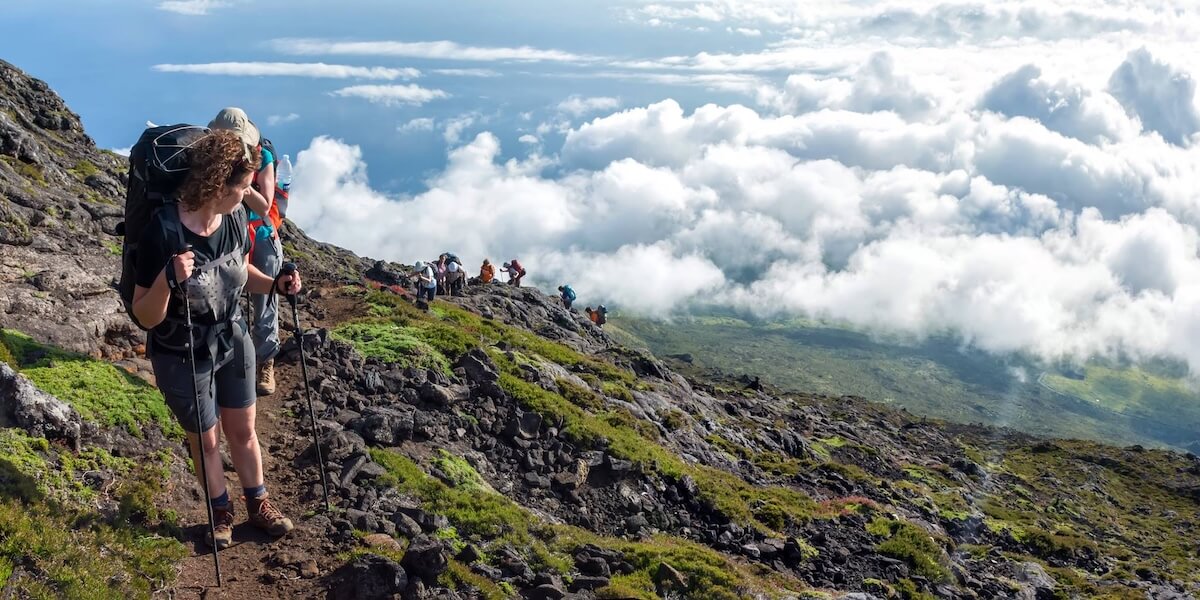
{"x":371,"y":577}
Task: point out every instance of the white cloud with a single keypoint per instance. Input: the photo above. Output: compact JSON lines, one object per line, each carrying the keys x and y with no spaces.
{"x":874,"y":87}
{"x":456,"y":126}
{"x":1062,"y":106}
{"x":578,"y":106}
{"x":467,"y":72}
{"x":529,"y":139}
{"x":282,"y":69}
{"x":1163,"y":97}
{"x":418,"y":124}
{"x":191,"y":7}
{"x":391,"y":95}
{"x":274,"y":120}
{"x":123,"y":151}
{"x":439,"y":50}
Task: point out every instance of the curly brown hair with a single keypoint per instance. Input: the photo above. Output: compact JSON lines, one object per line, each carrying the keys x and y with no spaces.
{"x":218,"y":159}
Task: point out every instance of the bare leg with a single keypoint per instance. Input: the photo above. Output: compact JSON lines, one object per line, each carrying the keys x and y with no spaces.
{"x":212,"y":460}
{"x":238,"y":424}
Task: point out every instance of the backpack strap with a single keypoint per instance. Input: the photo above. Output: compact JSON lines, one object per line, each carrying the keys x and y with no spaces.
{"x":171,"y":223}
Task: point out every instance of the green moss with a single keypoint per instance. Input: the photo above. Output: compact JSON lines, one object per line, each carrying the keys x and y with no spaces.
{"x":768,"y":508}
{"x":460,"y":473}
{"x":392,"y":343}
{"x":909,"y":591}
{"x":48,"y":527}
{"x":29,"y":171}
{"x":459,"y":576}
{"x":673,"y":419}
{"x":476,"y":514}
{"x":489,"y":519}
{"x":83,"y":169}
{"x":113,"y":247}
{"x":580,"y":396}
{"x":84,"y":561}
{"x":100,"y":391}
{"x":616,"y":389}
{"x":912,"y":544}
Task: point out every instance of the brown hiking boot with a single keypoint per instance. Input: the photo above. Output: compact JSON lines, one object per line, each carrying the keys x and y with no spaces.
{"x":266,"y":378}
{"x":266,"y":517}
{"x":222,"y":527}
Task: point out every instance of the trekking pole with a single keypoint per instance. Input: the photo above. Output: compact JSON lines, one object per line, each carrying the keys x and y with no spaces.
{"x":212,"y":528}
{"x":289,"y":269}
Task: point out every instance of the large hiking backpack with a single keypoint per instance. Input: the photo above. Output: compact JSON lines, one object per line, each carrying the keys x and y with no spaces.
{"x":158,"y":164}
{"x":569,"y":293}
{"x":272,"y":218}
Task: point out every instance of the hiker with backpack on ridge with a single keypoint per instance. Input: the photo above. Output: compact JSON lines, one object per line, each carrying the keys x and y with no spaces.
{"x":567,"y":295}
{"x":266,"y":250}
{"x":190,"y":267}
{"x":426,"y":278}
{"x":455,"y":278}
{"x":515,"y":272}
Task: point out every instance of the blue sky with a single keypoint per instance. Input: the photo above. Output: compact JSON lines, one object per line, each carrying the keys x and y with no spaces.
{"x":1021,"y":173}
{"x":104,"y":54}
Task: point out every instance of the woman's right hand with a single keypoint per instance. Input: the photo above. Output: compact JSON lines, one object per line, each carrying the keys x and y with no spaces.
{"x":183,"y":263}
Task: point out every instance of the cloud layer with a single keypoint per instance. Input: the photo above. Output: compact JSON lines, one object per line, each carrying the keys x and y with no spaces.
{"x":391,"y":95}
{"x":935,"y":175}
{"x":282,"y":69}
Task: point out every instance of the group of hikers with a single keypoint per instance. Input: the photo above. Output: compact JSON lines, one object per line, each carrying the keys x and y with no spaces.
{"x":203,"y":210}
{"x":447,"y":277}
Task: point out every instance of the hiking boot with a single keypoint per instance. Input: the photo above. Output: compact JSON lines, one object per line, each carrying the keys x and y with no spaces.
{"x":266,"y":517}
{"x":266,"y":378}
{"x":222,"y":527}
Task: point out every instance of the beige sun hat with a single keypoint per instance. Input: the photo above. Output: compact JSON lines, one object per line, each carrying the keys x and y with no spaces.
{"x":235,"y":119}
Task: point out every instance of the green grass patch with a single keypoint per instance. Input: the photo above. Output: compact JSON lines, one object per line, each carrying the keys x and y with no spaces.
{"x":100,"y":391}
{"x":912,"y":544}
{"x":83,"y":169}
{"x":49,"y":529}
{"x":461,"y":474}
{"x":29,"y":171}
{"x":487,"y":518}
{"x":768,"y":508}
{"x":459,"y":576}
{"x":392,"y":343}
{"x":475,"y":514}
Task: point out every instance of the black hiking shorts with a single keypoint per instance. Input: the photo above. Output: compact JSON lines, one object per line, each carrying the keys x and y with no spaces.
{"x":230,"y":384}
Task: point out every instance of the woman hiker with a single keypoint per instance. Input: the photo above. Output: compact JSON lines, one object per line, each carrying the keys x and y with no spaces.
{"x":213,"y":273}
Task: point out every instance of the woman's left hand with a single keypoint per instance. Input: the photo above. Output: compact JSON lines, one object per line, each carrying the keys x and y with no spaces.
{"x":289,"y":285}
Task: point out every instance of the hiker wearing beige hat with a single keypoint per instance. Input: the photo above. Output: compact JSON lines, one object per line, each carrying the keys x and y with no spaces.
{"x":266,"y":251}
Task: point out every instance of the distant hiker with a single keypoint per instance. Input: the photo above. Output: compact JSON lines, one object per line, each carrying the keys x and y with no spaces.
{"x":567,"y":295}
{"x":426,"y":282}
{"x":515,"y":272}
{"x":601,"y":315}
{"x":266,"y":252}
{"x":592,"y":315}
{"x":440,"y":269}
{"x":209,"y":218}
{"x":487,"y":272}
{"x":455,"y":278}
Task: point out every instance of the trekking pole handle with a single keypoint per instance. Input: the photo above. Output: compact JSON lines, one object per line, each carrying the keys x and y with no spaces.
{"x":288,"y":269}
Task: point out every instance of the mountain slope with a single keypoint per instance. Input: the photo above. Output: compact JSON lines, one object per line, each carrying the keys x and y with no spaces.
{"x":1148,"y":404}
{"x":500,"y":446}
